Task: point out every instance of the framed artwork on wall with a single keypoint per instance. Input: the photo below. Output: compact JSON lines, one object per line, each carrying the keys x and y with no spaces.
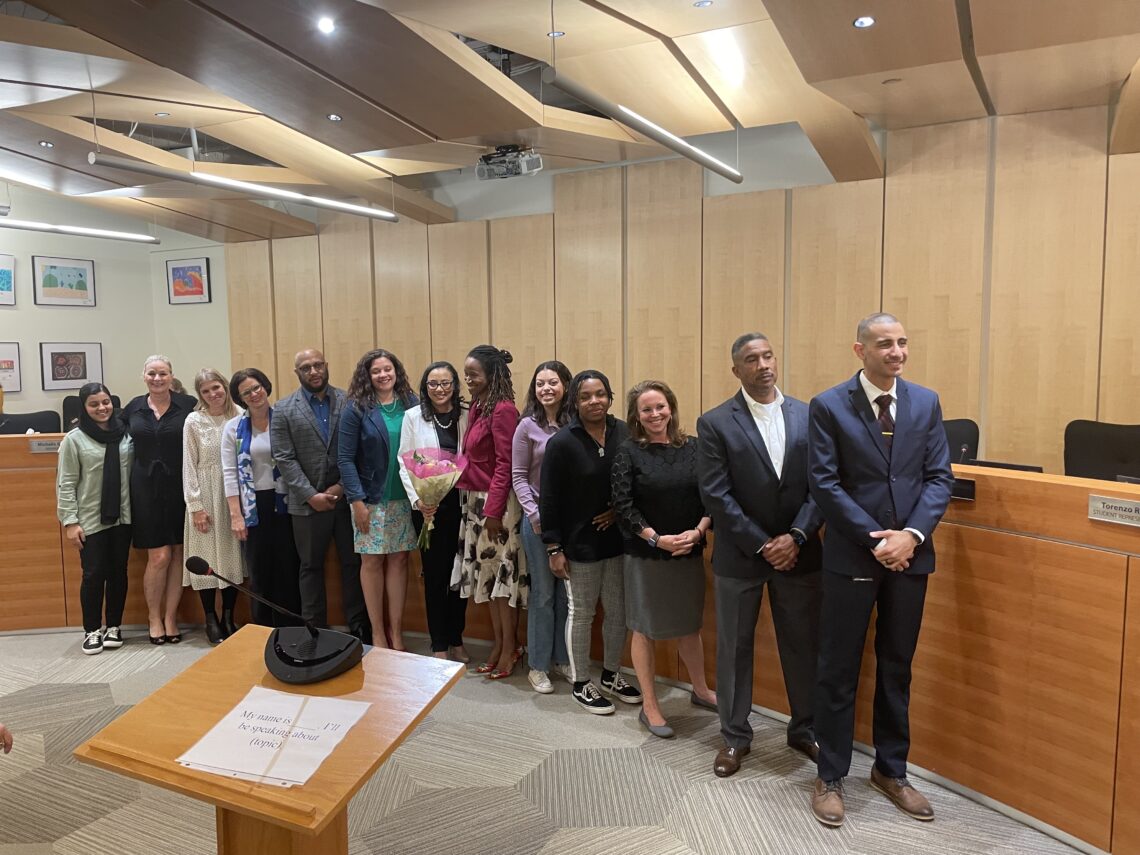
{"x":10,"y":366}
{"x":7,"y":280}
{"x":63,"y":281}
{"x":70,"y":364}
{"x":188,"y":281}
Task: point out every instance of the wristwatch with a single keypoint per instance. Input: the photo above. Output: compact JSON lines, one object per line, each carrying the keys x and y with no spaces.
{"x":653,"y":541}
{"x":798,"y":537}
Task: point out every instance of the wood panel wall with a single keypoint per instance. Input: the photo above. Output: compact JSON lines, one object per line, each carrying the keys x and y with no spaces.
{"x":986,"y":238}
{"x":1126,"y":825}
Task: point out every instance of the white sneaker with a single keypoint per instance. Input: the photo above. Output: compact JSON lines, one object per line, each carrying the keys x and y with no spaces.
{"x":540,"y":682}
{"x":562,"y":671}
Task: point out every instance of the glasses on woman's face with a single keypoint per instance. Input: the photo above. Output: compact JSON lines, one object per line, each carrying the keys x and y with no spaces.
{"x":252,"y":390}
{"x":445,"y":385}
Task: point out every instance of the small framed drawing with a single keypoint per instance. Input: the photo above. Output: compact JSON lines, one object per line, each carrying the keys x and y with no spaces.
{"x":70,"y":364}
{"x":63,"y":281}
{"x":7,"y":280}
{"x":188,"y":281}
{"x":10,"y":366}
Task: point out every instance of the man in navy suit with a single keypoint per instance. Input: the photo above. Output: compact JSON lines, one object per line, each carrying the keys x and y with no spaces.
{"x":880,"y":473}
{"x":752,"y":465}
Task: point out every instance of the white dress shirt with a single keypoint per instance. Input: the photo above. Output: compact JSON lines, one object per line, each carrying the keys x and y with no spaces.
{"x":872,"y":391}
{"x":770,"y":422}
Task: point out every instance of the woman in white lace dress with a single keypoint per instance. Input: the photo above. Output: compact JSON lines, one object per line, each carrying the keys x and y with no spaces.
{"x":208,"y":534}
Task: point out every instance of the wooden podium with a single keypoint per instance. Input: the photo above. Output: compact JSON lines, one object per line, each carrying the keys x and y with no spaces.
{"x":259,"y":818}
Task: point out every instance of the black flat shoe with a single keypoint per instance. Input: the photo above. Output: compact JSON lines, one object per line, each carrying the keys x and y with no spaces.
{"x":174,"y":639}
{"x":159,"y":640}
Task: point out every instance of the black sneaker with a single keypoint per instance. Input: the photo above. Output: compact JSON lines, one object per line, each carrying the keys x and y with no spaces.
{"x":590,"y":699}
{"x":113,"y":638}
{"x":93,"y":642}
{"x":618,"y":688}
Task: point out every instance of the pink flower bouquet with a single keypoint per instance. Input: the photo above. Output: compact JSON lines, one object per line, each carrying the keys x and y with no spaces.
{"x":434,"y":473}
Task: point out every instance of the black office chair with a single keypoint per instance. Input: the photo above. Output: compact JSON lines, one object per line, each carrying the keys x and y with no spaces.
{"x":962,"y":437}
{"x":71,"y":408}
{"x":45,"y":421}
{"x":1101,"y":450}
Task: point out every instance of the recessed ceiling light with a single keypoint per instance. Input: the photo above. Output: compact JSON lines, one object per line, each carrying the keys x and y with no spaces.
{"x":862,"y":22}
{"x":703,"y":4}
{"x":333,"y":117}
{"x":47,"y":144}
{"x":326,"y":25}
{"x":556,"y":34}
{"x":161,"y":115}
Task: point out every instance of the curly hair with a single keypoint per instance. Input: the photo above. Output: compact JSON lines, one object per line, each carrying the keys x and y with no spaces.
{"x":360,"y":390}
{"x":536,"y":410}
{"x":426,"y":408}
{"x":636,"y":431}
{"x":495,"y":364}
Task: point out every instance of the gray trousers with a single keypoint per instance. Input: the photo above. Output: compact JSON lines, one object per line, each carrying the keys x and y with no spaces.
{"x":795,"y":602}
{"x":587,"y":582}
{"x":313,"y":533}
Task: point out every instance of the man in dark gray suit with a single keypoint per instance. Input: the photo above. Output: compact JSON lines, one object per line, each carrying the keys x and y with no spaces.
{"x":304,"y":437}
{"x":753,"y":468}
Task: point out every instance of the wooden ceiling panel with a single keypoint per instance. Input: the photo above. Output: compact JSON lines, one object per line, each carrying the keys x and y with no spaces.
{"x":1125,"y":135}
{"x":172,"y":219}
{"x":1005,"y":26}
{"x":675,"y":18}
{"x":46,"y":175}
{"x":926,"y":95}
{"x":62,"y":102}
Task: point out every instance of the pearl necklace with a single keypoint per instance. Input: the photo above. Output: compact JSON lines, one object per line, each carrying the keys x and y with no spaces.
{"x":440,"y":424}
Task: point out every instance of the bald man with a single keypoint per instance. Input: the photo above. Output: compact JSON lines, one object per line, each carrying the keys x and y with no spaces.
{"x":303,"y":432}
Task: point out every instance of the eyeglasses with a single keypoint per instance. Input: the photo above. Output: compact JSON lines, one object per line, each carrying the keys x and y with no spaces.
{"x":252,"y":390}
{"x":312,"y":368}
{"x":445,"y":385}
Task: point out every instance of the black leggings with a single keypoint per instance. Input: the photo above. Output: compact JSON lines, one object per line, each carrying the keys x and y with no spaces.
{"x":229,"y":599}
{"x":104,"y":560}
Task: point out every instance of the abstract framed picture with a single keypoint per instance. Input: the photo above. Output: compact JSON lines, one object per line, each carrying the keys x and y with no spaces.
{"x":63,"y":281}
{"x":10,"y":366}
{"x":188,"y":281}
{"x":70,"y":364}
{"x":7,"y":280}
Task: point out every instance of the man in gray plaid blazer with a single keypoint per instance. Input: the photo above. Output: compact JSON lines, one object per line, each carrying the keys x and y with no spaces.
{"x":304,"y":438}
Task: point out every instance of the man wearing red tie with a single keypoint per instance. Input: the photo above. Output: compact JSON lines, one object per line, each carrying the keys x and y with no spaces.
{"x":879,"y":470}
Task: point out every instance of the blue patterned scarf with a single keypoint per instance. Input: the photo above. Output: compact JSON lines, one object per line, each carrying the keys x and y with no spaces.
{"x":247,"y":493}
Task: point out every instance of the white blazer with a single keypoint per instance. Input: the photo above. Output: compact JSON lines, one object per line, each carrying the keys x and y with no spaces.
{"x":418,"y":432}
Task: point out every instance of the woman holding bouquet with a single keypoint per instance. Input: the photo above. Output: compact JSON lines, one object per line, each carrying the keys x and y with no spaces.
{"x":487,"y":564}
{"x":438,"y":422}
{"x":378,"y":394}
{"x":547,"y":409}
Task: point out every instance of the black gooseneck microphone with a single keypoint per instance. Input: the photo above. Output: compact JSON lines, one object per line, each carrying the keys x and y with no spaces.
{"x":962,"y":452}
{"x":297,"y":654}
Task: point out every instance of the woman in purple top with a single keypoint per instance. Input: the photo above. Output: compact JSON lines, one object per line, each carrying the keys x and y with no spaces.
{"x":546,"y":410}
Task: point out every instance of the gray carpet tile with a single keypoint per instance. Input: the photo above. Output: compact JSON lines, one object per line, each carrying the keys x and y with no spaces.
{"x":186,"y":831}
{"x":132,"y":688}
{"x":17,"y":675}
{"x":26,"y":849}
{"x":487,"y":760}
{"x":77,"y":667}
{"x":603,"y":786}
{"x":479,"y":821}
{"x":386,"y":791}
{"x":38,"y":707}
{"x":60,"y":741}
{"x":38,"y":647}
{"x":26,"y":755}
{"x":56,"y":800}
{"x":614,"y":841}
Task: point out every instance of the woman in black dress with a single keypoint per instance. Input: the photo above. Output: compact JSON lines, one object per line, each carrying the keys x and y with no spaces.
{"x":155,"y":421}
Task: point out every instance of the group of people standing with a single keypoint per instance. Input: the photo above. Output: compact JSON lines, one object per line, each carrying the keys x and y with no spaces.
{"x":560,"y":508}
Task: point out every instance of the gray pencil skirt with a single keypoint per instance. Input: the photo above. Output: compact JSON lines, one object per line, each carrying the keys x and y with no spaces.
{"x":664,"y":599}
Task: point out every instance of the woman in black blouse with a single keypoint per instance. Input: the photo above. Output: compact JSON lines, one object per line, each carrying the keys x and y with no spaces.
{"x":659,"y":509}
{"x":158,"y":512}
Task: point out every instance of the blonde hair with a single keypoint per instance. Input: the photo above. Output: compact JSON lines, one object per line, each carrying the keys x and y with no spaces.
{"x":210,"y":375}
{"x":158,"y":357}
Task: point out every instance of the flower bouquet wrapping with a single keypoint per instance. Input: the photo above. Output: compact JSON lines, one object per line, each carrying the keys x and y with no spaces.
{"x":434,"y":473}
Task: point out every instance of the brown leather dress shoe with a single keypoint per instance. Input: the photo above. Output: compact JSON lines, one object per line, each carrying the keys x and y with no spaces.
{"x":906,"y":798}
{"x":827,"y":802}
{"x":808,"y":749}
{"x":728,"y":761}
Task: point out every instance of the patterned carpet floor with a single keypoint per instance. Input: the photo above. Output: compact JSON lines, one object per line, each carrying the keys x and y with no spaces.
{"x":494,"y":769}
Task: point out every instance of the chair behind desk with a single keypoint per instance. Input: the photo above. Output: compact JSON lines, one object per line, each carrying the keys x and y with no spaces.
{"x":1101,"y":450}
{"x":71,"y":408}
{"x":961,"y":433}
{"x":45,"y":421}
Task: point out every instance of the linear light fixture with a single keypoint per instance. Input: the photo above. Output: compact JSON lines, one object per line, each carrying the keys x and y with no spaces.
{"x":621,"y":113}
{"x":259,"y":190}
{"x":80,"y":231}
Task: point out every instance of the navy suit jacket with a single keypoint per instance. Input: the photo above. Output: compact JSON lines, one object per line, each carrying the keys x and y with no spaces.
{"x":862,"y":487}
{"x":362,"y":454}
{"x":740,"y":490}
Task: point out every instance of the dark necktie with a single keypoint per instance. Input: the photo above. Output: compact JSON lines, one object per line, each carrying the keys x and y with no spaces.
{"x":886,"y":423}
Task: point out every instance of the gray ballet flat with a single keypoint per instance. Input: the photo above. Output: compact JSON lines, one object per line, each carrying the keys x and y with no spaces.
{"x":662,"y":730}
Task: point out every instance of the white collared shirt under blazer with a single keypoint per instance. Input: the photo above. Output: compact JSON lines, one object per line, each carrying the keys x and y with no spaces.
{"x":770,"y":422}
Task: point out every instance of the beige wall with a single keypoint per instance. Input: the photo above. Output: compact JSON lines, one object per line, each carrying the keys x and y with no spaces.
{"x":1007,"y":246}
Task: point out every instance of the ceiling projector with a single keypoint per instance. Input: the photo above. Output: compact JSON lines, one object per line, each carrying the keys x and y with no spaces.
{"x":507,"y":161}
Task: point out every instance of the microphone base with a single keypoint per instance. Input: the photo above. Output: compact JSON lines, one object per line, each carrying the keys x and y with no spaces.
{"x":292,"y":655}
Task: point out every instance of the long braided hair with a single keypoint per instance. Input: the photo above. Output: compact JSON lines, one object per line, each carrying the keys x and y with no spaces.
{"x":496,"y":365}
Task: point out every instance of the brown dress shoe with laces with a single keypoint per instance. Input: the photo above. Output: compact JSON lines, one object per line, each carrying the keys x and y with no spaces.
{"x":906,"y":798}
{"x":728,"y":761}
{"x":827,"y":802}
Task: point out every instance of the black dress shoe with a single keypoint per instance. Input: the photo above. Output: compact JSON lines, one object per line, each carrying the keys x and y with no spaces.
{"x":214,"y":632}
{"x":160,"y":639}
{"x":808,"y":749}
{"x":174,"y":639}
{"x":728,"y":761}
{"x":227,"y":622}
